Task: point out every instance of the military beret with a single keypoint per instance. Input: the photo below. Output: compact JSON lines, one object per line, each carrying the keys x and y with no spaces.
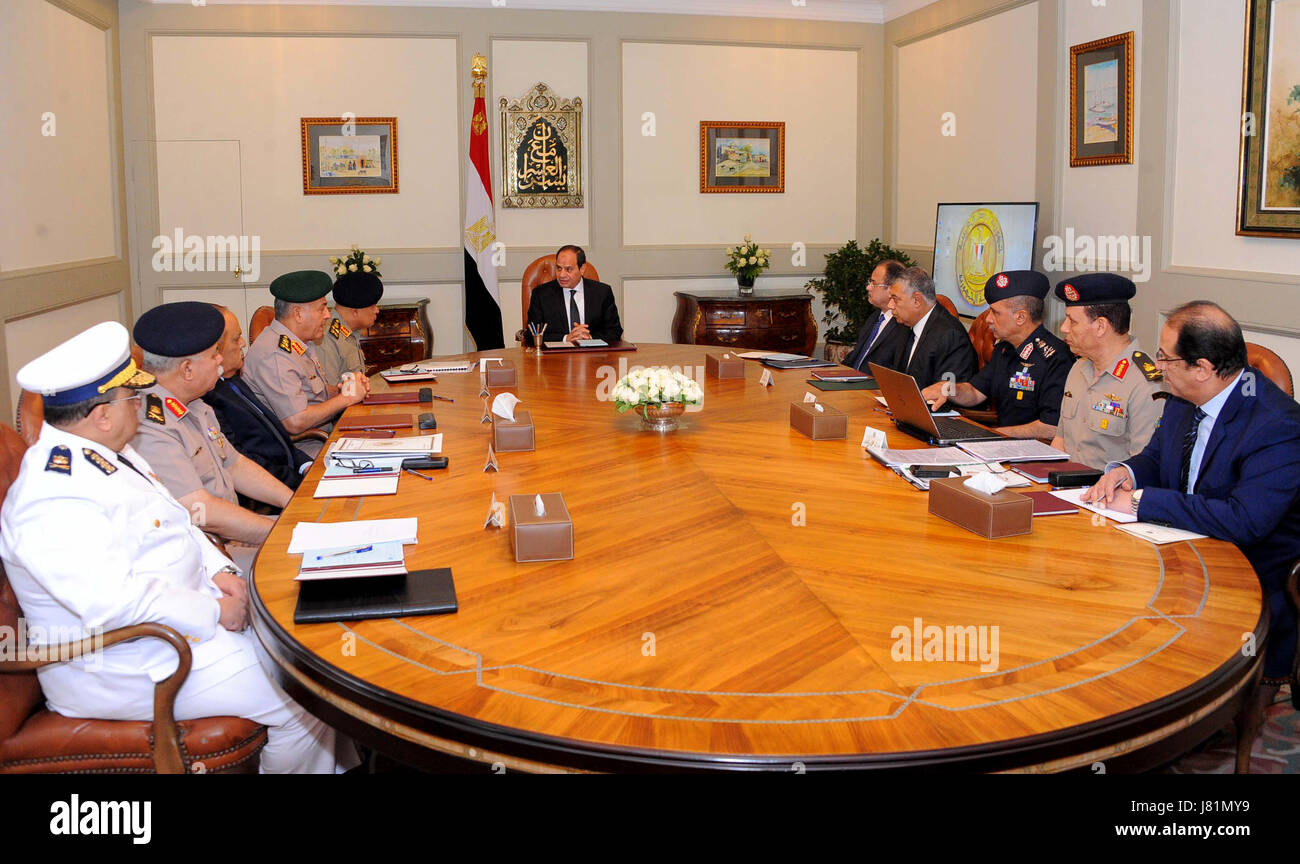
{"x":179,"y":329}
{"x":300,"y":286}
{"x":1016,"y":283}
{"x":358,"y":290}
{"x":1091,"y":289}
{"x":88,"y":365}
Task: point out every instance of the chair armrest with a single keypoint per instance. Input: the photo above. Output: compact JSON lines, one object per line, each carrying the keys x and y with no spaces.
{"x":167,"y":747}
{"x":314,"y":434}
{"x":979,"y":415}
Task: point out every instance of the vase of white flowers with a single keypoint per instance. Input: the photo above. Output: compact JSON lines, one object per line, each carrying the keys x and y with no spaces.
{"x":747,"y":260}
{"x":356,"y":262}
{"x":659,"y":395}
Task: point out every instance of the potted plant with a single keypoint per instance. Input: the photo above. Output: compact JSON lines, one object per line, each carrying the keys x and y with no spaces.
{"x":660,"y":395}
{"x":747,"y":260}
{"x":844,"y":291}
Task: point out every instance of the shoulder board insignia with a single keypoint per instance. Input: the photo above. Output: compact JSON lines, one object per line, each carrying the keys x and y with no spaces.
{"x":174,"y":405}
{"x":297,"y":346}
{"x":1150,"y":370}
{"x":1027,"y":350}
{"x":98,"y":461}
{"x":338,"y":331}
{"x":1120,"y":368}
{"x":284,"y":343}
{"x":60,"y":460}
{"x":153,"y":409}
{"x":1047,"y":350}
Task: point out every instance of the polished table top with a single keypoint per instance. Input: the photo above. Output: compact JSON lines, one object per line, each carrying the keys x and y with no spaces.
{"x":736,"y":596}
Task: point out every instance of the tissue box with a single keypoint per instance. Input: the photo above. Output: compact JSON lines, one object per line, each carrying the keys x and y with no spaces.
{"x":819,"y":425}
{"x":1005,"y":514}
{"x":516,"y":437}
{"x":501,"y":375}
{"x":540,"y":538}
{"x":717,"y":367}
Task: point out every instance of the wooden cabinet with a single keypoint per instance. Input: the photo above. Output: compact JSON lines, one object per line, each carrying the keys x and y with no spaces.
{"x":767,"y":320}
{"x":401,"y":334}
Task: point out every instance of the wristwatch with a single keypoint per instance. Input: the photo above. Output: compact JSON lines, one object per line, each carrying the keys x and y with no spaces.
{"x":1137,"y":499}
{"x":234,"y":571}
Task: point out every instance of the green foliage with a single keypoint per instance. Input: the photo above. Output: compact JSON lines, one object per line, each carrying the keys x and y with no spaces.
{"x":844,"y":285}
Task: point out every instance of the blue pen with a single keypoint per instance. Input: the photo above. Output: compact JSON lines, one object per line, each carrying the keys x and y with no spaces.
{"x":369,"y":470}
{"x":344,"y":552}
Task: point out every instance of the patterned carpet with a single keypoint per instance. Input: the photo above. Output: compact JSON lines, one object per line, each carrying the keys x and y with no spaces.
{"x":1277,"y":751}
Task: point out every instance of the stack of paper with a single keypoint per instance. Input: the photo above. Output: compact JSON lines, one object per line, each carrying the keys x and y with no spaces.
{"x":334,"y":550}
{"x":344,"y":482}
{"x":386,"y":448}
{"x":1012,"y":450}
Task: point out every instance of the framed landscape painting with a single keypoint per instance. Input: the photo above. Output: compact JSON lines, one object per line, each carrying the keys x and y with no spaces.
{"x":342,"y":155}
{"x":1101,"y":102}
{"x":742,"y":157}
{"x":1268,"y":202}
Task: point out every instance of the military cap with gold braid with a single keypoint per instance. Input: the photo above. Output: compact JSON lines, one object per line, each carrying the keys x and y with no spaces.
{"x":301,"y":286}
{"x":89,"y":364}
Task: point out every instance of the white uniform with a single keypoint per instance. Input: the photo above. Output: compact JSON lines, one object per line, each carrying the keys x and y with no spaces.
{"x":88,"y":542}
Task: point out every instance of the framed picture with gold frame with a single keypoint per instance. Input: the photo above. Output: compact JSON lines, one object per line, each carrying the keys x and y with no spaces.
{"x":349,"y":155}
{"x":742,"y":157}
{"x":1268,"y":200}
{"x":541,"y":150}
{"x":1101,"y":102}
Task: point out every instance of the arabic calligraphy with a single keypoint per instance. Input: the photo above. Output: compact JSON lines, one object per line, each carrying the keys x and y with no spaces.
{"x":542,"y":160}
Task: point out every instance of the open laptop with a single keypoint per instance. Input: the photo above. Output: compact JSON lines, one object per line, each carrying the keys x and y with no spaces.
{"x":912,"y":413}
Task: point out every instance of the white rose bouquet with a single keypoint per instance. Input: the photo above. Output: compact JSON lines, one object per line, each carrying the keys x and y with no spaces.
{"x":747,"y":260}
{"x":356,"y":262}
{"x":655,"y":386}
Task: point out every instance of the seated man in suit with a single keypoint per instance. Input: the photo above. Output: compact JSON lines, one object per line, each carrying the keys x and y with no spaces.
{"x":937,"y":348}
{"x":92,"y":541}
{"x":282,"y":367}
{"x":880,"y":334}
{"x":1025,"y":377}
{"x":1224,"y":461}
{"x":181,"y":438}
{"x":247,"y":423}
{"x":571,"y":307}
{"x":356,"y":306}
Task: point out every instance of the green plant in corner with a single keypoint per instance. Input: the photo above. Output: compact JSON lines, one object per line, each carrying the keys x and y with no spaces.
{"x":844,"y":286}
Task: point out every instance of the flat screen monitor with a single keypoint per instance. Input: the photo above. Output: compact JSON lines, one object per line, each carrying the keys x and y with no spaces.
{"x":974,"y":241}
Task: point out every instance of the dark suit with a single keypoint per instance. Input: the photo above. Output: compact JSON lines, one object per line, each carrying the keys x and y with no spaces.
{"x":884,"y":350}
{"x":1247,"y":490}
{"x":943,"y":347}
{"x":549,"y":305}
{"x":255,"y":430}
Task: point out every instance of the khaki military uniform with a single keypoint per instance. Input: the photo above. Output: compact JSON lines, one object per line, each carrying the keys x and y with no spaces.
{"x":1109,"y":416}
{"x":185,"y":446}
{"x":340,"y":351}
{"x":286,"y":375}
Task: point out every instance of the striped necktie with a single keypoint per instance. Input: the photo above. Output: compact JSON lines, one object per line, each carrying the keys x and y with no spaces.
{"x":1189,"y":444}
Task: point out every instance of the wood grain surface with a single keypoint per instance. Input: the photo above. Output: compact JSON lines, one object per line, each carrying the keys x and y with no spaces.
{"x":703,"y":622}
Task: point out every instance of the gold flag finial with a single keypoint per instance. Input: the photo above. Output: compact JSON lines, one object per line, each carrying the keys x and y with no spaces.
{"x":478,"y":70}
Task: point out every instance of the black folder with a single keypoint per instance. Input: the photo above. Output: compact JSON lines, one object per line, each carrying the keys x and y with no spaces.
{"x":420,"y":592}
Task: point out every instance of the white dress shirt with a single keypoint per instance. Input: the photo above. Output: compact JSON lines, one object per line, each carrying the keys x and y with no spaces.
{"x":580,"y":297}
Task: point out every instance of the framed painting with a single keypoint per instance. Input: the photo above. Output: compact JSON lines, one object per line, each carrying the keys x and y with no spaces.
{"x":541,"y":150}
{"x":742,"y":157}
{"x":1101,"y":102}
{"x":1268,"y":201}
{"x":349,"y":155}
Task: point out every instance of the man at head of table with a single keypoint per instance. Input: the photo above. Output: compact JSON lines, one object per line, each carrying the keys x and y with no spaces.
{"x":571,"y":307}
{"x":1224,"y":461}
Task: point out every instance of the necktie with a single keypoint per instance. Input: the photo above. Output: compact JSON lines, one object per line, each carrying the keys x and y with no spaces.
{"x":574,"y":318}
{"x":875,"y":331}
{"x":1189,"y":444}
{"x":127,"y":462}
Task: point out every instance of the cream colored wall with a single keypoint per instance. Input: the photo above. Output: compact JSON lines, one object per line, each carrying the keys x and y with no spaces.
{"x":984,"y":74}
{"x":27,"y":338}
{"x":517,"y":65}
{"x":58,"y":189}
{"x":813,"y":91}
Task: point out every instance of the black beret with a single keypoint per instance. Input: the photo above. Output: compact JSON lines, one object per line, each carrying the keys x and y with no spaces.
{"x":300,"y":286}
{"x":1091,"y":289}
{"x":1016,"y":283}
{"x":358,"y":290}
{"x":179,"y":329}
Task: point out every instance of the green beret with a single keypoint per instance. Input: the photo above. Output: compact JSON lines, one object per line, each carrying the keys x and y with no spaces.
{"x":301,"y":286}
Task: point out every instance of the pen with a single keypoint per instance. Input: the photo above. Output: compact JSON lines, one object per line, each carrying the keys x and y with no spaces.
{"x":345,"y":552}
{"x":418,"y":474}
{"x":369,"y":470}
{"x":443,"y":398}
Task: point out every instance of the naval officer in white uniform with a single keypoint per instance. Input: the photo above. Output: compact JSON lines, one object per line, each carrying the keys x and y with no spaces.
{"x":90,"y":539}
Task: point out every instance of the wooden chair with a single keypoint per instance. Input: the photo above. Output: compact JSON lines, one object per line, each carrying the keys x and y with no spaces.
{"x":541,"y":271}
{"x":34,"y":740}
{"x":262,"y":317}
{"x":1273,"y":366}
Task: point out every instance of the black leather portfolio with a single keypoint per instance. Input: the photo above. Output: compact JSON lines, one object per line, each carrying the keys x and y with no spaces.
{"x":420,"y":592}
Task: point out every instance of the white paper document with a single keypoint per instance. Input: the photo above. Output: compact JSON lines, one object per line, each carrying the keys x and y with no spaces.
{"x":341,"y":482}
{"x":755,"y":355}
{"x":919,"y":456}
{"x":316,"y":536}
{"x":1159,"y":533}
{"x":374,"y":559}
{"x":1012,"y":450}
{"x":1074,"y":496}
{"x":372,"y":448}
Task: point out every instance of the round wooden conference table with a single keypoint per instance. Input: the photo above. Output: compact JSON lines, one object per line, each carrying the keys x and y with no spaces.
{"x":741,"y":597}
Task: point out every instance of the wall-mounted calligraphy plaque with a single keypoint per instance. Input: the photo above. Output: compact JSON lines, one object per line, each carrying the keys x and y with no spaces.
{"x":541,"y":150}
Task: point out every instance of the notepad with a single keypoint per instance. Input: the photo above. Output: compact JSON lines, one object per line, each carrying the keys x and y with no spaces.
{"x":315,"y":536}
{"x":344,"y":482}
{"x":1159,"y":534}
{"x":1073,"y":495}
{"x":381,"y":559}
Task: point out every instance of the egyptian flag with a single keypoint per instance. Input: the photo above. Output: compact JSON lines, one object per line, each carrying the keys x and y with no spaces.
{"x":482,"y":305}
